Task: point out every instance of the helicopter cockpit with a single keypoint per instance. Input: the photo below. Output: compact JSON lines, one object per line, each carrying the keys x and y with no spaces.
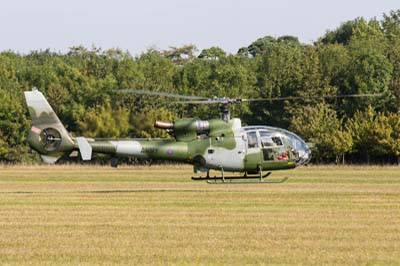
{"x":272,"y":137}
{"x":299,"y":145}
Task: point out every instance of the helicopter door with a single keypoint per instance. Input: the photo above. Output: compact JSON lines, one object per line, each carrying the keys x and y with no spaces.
{"x":252,"y":159}
{"x":252,"y":141}
{"x":231,"y":159}
{"x":272,"y":146}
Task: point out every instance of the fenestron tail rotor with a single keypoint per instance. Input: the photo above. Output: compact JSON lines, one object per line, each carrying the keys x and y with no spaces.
{"x":50,"y":139}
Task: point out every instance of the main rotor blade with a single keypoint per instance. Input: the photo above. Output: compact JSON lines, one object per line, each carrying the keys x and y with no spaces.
{"x":195,"y":102}
{"x":313,"y":97}
{"x":166,"y":94}
{"x":210,"y":101}
{"x":204,"y":100}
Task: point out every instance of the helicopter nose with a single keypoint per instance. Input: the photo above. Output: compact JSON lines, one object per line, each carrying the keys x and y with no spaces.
{"x":301,"y":149}
{"x":305,"y":154}
{"x":305,"y":158}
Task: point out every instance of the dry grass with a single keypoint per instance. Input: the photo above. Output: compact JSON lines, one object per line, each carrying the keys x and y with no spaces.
{"x":78,"y":215}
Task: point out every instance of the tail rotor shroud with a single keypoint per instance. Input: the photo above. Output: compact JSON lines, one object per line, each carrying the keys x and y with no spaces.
{"x":50,"y":138}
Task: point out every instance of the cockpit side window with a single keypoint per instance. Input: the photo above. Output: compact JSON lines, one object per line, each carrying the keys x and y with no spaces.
{"x":270,"y":139}
{"x":252,"y":141}
{"x":266,"y":140}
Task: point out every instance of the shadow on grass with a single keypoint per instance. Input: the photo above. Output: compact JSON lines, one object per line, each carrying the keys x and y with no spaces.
{"x":109,"y":191}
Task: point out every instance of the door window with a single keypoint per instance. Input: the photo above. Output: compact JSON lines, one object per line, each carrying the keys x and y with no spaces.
{"x":266,"y":140}
{"x":272,"y":144}
{"x":268,"y":154}
{"x":252,"y":140}
{"x":270,"y":139}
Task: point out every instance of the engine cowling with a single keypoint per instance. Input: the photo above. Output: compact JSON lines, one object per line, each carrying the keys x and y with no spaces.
{"x":185,"y":129}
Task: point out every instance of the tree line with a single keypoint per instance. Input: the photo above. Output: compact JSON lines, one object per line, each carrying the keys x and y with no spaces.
{"x":360,"y":56}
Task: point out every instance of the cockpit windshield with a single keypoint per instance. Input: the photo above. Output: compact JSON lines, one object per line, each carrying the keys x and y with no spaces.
{"x":300,"y":147}
{"x":272,"y":136}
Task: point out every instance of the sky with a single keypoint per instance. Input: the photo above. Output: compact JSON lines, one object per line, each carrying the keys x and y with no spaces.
{"x":139,"y":25}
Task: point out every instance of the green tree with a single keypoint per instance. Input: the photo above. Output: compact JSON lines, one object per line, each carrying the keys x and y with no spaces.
{"x":279,"y":74}
{"x":262,"y":45}
{"x":103,"y":121}
{"x":258,"y":47}
{"x":334,"y":60}
{"x":372,"y":133}
{"x":157,"y":70}
{"x":13,"y":129}
{"x":342,"y":34}
{"x":181,"y":55}
{"x":320,"y":125}
{"x":370,"y":70}
{"x":391,"y":28}
{"x":213,"y":53}
{"x":394,"y":122}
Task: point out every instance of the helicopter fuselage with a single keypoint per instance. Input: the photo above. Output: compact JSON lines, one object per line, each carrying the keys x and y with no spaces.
{"x":207,"y":144}
{"x":236,"y":148}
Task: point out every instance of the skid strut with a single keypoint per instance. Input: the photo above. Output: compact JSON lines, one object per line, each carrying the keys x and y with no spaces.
{"x":245,"y":179}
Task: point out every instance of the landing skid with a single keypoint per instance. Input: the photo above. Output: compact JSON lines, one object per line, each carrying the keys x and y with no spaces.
{"x":245,"y":181}
{"x":253,"y":179}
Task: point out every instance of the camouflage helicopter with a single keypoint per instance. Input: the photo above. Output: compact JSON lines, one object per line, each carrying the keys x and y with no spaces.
{"x":220,"y":144}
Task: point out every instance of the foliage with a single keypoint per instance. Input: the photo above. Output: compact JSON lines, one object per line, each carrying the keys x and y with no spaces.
{"x":144,"y":122}
{"x":181,"y":55}
{"x":102,"y":121}
{"x":375,"y":133}
{"x":324,"y":129}
{"x":394,"y":144}
{"x":13,"y":128}
{"x":214,"y":53}
{"x":342,"y":34}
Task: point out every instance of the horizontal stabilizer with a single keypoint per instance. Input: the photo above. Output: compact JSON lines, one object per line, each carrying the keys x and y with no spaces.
{"x":84,"y":148}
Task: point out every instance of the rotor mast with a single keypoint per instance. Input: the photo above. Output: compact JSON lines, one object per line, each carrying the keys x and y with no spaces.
{"x":225,"y":112}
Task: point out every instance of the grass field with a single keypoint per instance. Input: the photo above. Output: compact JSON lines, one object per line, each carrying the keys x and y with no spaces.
{"x":78,"y":215}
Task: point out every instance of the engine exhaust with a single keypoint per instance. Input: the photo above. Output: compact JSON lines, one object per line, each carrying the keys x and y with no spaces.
{"x":163,"y":125}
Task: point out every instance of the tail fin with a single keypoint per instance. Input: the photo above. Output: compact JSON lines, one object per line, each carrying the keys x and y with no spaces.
{"x":47,"y":136}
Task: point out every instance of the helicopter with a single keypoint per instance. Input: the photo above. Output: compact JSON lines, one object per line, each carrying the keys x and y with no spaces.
{"x":217,"y":144}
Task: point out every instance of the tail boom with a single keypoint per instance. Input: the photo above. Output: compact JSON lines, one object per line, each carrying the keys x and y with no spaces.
{"x":51,"y":140}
